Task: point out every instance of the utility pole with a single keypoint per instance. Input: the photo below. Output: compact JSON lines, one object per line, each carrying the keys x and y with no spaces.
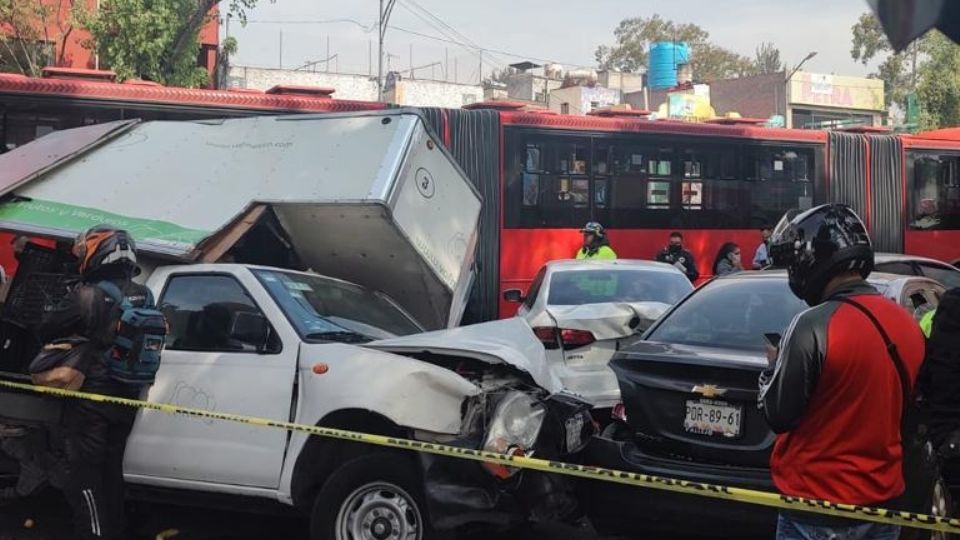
{"x":446,"y":65}
{"x":384,"y":18}
{"x":480,"y":73}
{"x":456,"y":78}
{"x":369,"y":58}
{"x":281,"y":49}
{"x":786,"y":89}
{"x":326,"y":67}
{"x":411,"y":61}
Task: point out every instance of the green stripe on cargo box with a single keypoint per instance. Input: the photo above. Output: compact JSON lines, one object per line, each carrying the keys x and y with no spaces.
{"x":54,"y":215}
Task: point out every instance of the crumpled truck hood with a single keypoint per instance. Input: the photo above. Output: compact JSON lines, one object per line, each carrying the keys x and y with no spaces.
{"x":508,"y":341}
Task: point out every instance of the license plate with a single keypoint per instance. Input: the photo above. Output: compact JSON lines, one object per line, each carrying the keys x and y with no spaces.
{"x":710,"y":417}
{"x":574,"y":429}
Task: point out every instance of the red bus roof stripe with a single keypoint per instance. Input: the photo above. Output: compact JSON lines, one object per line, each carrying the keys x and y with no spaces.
{"x":624,"y":125}
{"x":96,"y":90}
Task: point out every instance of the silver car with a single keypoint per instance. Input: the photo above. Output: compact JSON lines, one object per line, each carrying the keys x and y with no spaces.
{"x":911,"y":265}
{"x":585,"y":311}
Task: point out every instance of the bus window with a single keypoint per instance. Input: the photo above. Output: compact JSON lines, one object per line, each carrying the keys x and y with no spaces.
{"x":640,"y":177}
{"x":936,"y":192}
{"x":779,"y":181}
{"x":548,"y":181}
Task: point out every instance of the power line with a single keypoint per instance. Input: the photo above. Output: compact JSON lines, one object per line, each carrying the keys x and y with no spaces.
{"x":455,"y":34}
{"x":496,"y":51}
{"x":369,"y":28}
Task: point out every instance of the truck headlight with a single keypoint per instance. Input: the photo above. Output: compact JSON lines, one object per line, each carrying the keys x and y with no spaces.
{"x":514,"y":429}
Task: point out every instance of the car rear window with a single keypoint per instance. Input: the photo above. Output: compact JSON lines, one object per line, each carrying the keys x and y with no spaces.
{"x":947,"y":276}
{"x":731,"y":313}
{"x":575,"y":287}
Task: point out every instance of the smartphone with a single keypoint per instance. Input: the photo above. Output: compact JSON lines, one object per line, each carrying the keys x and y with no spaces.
{"x":773,"y":340}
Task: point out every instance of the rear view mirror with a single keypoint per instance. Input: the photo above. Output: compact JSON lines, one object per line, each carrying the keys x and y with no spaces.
{"x":250,"y":328}
{"x":514,"y":296}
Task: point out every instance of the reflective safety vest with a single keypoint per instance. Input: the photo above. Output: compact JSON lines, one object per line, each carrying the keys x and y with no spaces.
{"x":926,"y":322}
{"x":604,"y":252}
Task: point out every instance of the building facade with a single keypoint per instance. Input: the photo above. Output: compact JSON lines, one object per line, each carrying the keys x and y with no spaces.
{"x":806,"y":101}
{"x":401,"y":91}
{"x":357,"y":87}
{"x":63,"y":39}
{"x":579,"y":100}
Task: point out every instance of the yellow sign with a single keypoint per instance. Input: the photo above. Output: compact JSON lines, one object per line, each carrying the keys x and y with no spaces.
{"x":836,"y":91}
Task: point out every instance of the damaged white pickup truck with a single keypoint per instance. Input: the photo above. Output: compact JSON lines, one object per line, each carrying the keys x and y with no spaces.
{"x":299,"y":347}
{"x":370,"y":198}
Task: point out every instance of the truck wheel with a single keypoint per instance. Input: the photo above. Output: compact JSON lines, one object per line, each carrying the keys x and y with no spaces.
{"x":372,"y":497}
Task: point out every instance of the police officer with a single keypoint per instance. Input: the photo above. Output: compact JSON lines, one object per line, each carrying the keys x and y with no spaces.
{"x":595,"y":243}
{"x":852,"y":355}
{"x":96,"y":433}
{"x":676,"y":255}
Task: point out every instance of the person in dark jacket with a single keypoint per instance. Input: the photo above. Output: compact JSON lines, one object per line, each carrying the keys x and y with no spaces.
{"x":676,"y":255}
{"x":830,"y":373}
{"x":940,"y":377}
{"x":96,"y":433}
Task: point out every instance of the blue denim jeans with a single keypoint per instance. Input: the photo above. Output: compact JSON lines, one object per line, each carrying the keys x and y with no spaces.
{"x":788,"y":529}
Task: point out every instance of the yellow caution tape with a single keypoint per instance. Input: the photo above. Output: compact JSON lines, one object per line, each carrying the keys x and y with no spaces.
{"x":762,"y":498}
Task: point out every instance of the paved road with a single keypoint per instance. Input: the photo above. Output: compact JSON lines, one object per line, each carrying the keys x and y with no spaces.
{"x":50,"y":522}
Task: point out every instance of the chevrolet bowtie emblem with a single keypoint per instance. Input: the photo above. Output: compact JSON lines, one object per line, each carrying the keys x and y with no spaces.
{"x":708,"y":390}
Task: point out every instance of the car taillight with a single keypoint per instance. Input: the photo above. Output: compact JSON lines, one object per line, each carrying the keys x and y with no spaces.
{"x":571,"y":339}
{"x":548,"y":336}
{"x":619,"y":412}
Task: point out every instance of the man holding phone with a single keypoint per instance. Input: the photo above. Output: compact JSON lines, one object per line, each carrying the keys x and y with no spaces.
{"x":852,"y":355}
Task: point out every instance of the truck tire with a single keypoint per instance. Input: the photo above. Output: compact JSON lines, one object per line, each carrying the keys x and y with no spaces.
{"x":372,"y":497}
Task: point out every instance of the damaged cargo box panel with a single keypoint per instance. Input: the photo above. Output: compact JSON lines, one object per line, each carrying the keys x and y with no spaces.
{"x":367,"y":197}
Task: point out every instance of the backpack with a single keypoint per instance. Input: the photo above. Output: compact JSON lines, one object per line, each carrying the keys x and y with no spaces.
{"x":139,"y":337}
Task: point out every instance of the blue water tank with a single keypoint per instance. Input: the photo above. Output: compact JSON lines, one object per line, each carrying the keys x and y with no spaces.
{"x":664,"y":57}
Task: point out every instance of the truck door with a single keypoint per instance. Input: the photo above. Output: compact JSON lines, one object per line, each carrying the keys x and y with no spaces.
{"x":229,"y":350}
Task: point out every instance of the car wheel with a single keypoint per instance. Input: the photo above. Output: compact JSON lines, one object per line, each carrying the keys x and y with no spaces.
{"x":373,"y":497}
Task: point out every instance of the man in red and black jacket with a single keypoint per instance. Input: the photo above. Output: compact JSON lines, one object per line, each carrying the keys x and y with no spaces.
{"x":834,"y":394}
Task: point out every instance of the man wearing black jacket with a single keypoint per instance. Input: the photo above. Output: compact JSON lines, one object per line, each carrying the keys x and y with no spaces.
{"x":676,"y":255}
{"x":96,"y":433}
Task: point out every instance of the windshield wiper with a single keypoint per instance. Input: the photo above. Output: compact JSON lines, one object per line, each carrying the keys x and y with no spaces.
{"x":342,"y":336}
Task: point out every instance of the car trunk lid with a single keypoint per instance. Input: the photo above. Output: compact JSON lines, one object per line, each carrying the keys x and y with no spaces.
{"x":695,"y":403}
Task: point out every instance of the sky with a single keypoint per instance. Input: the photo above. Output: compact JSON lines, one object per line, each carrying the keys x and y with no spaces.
{"x":296,"y":32}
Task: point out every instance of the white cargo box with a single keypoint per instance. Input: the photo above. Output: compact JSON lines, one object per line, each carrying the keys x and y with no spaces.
{"x":367,"y":197}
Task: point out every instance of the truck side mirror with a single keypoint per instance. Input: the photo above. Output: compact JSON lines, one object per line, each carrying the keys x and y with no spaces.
{"x":251,"y":328}
{"x":514,"y":296}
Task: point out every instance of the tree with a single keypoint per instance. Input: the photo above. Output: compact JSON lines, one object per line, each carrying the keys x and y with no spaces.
{"x":767,"y":58}
{"x":501,"y":75}
{"x":897,"y":70}
{"x":155,"y":40}
{"x":634,"y":36}
{"x":35,"y":34}
{"x":938,"y":87}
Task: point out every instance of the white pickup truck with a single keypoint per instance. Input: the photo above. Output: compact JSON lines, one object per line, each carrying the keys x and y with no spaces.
{"x":300,"y":347}
{"x":373,"y":198}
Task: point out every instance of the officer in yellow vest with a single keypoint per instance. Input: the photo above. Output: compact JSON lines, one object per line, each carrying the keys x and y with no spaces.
{"x":926,"y":322}
{"x":595,"y":243}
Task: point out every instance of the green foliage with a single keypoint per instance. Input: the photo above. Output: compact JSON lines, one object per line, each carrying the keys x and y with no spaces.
{"x":938,"y":88}
{"x":136,"y":37}
{"x":33,"y":33}
{"x":930,"y":66}
{"x":634,"y":36}
{"x":896,"y":70}
{"x":767,"y":58}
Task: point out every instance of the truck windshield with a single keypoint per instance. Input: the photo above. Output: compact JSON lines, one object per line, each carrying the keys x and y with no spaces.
{"x":324,"y":309}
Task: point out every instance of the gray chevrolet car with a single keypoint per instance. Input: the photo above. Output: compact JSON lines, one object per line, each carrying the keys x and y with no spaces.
{"x":689,"y":389}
